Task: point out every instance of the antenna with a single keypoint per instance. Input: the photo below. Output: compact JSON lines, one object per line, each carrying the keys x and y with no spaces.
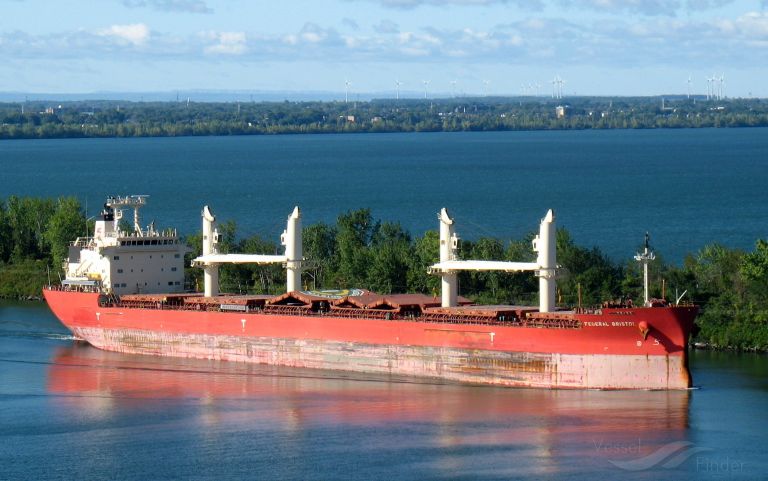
{"x":644,"y":258}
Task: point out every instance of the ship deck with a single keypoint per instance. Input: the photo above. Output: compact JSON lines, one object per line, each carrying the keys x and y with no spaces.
{"x":368,"y":305}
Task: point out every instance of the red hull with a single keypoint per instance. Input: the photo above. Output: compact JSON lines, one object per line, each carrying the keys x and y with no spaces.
{"x":607,"y":350}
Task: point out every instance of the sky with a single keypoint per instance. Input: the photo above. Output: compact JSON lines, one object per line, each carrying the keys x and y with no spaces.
{"x":364,"y":47}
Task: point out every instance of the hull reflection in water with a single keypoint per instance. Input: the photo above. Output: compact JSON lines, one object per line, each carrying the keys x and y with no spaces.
{"x":469,"y":430}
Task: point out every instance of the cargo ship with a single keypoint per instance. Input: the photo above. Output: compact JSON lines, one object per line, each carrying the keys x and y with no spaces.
{"x":124,"y":291}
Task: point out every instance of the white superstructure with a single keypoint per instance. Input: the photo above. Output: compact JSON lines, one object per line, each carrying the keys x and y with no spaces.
{"x":127,"y":261}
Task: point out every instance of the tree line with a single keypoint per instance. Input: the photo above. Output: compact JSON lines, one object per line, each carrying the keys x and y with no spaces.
{"x":77,"y":119}
{"x":730,"y":285}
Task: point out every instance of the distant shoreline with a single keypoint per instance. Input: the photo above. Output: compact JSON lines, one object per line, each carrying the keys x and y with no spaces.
{"x":114,"y":119}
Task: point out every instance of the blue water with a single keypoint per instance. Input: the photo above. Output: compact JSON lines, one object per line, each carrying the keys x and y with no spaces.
{"x":688,"y":188}
{"x":69,"y":411}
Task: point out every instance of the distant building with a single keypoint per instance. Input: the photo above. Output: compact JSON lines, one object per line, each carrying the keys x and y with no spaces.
{"x":562,"y":111}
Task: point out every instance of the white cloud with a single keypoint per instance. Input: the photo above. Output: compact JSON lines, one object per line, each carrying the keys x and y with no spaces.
{"x":707,"y":4}
{"x":532,"y":42}
{"x":527,"y":4}
{"x":135,"y":33}
{"x":186,"y":6}
{"x":644,"y":7}
{"x":312,"y":33}
{"x":350,"y":23}
{"x":227,"y":43}
{"x":388,"y":26}
{"x":753,"y":24}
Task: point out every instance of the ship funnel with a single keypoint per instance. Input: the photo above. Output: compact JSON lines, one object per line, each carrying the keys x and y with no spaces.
{"x":448,"y":249}
{"x":292,"y":241}
{"x":545,"y":245}
{"x":210,"y":242}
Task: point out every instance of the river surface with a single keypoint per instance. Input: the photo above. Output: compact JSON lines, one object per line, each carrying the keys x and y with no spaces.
{"x":69,"y":411}
{"x":689,"y":188}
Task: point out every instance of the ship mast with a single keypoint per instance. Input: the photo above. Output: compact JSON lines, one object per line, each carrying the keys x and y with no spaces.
{"x":449,"y":244}
{"x":135,"y":201}
{"x":644,"y":258}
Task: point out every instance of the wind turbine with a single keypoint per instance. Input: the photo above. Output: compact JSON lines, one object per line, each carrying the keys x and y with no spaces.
{"x":554,"y":86}
{"x":397,"y":88}
{"x":426,"y":83}
{"x":689,"y":86}
{"x":347,"y":83}
{"x":486,"y":83}
{"x":722,"y":86}
{"x":453,"y":88}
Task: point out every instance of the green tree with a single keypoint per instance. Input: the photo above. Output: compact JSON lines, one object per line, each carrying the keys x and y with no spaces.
{"x":589,"y":268}
{"x":27,"y":221}
{"x":319,"y":245}
{"x":355,"y":232}
{"x":390,"y":257}
{"x":64,"y":226}
{"x":425,"y":252}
